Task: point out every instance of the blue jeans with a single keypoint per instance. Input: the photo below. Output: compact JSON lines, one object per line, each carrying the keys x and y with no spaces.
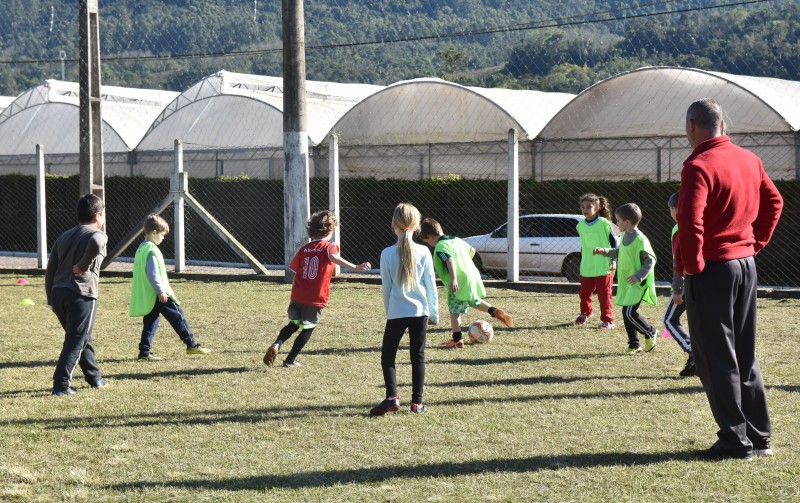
{"x":174,"y":315}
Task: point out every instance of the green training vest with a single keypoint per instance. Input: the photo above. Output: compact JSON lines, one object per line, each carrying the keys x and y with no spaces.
{"x":470,"y":285}
{"x":594,"y":236}
{"x":629,"y":262}
{"x":143,"y":296}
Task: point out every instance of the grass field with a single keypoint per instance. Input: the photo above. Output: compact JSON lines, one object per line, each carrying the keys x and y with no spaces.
{"x":547,"y":412}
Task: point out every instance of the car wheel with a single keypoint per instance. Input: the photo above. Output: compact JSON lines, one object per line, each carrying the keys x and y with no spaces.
{"x":476,"y":259}
{"x":571,"y":268}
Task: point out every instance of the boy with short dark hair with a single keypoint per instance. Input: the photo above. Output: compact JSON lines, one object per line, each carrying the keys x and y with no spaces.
{"x":452,"y":260}
{"x":71,"y":284}
{"x":635,"y":278}
{"x":152,"y":296}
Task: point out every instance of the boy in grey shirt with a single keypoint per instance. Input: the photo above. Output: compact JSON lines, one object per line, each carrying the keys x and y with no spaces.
{"x":71,"y":284}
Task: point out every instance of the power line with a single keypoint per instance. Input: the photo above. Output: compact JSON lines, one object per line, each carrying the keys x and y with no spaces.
{"x":532,"y":25}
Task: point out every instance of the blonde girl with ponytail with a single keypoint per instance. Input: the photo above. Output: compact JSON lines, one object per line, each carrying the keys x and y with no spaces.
{"x":411,"y":303}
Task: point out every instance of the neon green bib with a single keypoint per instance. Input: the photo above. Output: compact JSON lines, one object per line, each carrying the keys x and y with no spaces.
{"x":470,"y":285}
{"x":629,"y":262}
{"x":143,"y":296}
{"x":594,"y":236}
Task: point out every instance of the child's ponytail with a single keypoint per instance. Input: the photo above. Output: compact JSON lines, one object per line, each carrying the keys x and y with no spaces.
{"x":605,"y":207}
{"x":406,"y":219}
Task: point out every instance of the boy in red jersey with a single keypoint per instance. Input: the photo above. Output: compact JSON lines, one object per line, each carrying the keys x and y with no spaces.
{"x":313,"y":265}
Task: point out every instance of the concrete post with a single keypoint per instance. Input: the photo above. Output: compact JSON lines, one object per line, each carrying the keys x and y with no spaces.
{"x":91,"y":124}
{"x":178,"y":187}
{"x":41,"y":210}
{"x":333,"y":189}
{"x":296,"y":200}
{"x":513,"y":207}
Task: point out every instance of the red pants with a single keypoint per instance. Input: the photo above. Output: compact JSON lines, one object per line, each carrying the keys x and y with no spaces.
{"x":601,"y":285}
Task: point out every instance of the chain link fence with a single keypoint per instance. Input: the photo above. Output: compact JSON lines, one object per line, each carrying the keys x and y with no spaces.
{"x":439,"y":86}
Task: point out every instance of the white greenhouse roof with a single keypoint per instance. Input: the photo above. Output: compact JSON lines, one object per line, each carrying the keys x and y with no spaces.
{"x":435,"y":111}
{"x":652,"y":102}
{"x":234,"y":110}
{"x":49,"y":115}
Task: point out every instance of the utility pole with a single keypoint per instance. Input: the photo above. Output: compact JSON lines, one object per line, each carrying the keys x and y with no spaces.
{"x":295,"y":135}
{"x":91,"y":125}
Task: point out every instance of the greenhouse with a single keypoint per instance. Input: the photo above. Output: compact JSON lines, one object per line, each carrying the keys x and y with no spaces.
{"x":49,"y":115}
{"x":427,"y":128}
{"x":232,"y":124}
{"x":632,"y":125}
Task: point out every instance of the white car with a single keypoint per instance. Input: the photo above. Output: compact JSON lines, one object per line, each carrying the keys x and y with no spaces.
{"x":548,"y":244}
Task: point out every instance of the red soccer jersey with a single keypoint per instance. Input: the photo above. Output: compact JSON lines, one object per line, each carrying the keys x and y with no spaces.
{"x":313,"y":270}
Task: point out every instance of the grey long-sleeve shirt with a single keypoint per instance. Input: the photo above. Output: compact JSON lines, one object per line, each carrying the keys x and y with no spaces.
{"x":84,"y":246}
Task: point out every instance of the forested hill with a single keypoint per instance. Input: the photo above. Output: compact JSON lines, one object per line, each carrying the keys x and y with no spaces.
{"x":561,"y":45}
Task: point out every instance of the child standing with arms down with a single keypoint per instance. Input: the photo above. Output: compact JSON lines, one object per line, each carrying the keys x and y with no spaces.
{"x":597,"y":271}
{"x":71,"y":284}
{"x":313,"y":265}
{"x":152,"y":296}
{"x":462,"y":280}
{"x":675,"y":305}
{"x":411,"y":303}
{"x":635,"y":278}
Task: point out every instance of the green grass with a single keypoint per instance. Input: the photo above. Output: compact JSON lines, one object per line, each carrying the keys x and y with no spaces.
{"x":547,"y":412}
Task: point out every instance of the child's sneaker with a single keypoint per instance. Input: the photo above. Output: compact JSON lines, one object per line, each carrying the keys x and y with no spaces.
{"x":650,"y":343}
{"x":149,"y":357}
{"x":418,"y":408}
{"x":451,"y":344}
{"x":272,"y":352}
{"x":608,"y":325}
{"x":503,"y":317}
{"x":583,"y":318}
{"x":292,"y":364}
{"x":197,"y":349}
{"x":388,"y":405}
{"x":633,"y":351}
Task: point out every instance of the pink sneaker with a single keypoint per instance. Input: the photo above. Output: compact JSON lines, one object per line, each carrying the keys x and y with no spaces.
{"x":608,"y":325}
{"x":583,"y":318}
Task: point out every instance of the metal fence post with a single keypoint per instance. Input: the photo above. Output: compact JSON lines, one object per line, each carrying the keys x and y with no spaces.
{"x":513,"y":206}
{"x":333,"y":189}
{"x":179,"y":184}
{"x":41,"y":210}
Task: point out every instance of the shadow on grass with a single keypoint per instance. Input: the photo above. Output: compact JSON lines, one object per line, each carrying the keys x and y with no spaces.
{"x":520,"y":359}
{"x":530,"y":381}
{"x":339,"y":351}
{"x":323,"y":478}
{"x":52,"y":363}
{"x":180,"y":373}
{"x":281,"y":413}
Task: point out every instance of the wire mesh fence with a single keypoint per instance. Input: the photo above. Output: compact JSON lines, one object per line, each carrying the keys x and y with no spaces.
{"x":419,"y":98}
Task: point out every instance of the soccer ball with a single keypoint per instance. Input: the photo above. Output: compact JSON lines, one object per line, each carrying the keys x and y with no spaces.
{"x":481,"y":332}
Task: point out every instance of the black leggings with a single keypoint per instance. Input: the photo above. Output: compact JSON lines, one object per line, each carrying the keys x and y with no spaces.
{"x":395,"y":328}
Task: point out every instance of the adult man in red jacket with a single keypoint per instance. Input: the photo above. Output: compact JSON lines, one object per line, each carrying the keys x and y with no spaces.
{"x":728,"y":208}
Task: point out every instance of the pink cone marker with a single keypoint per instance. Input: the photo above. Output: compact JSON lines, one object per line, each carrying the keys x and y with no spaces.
{"x":666,"y":334}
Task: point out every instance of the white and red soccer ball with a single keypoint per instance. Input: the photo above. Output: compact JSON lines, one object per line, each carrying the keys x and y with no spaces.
{"x":481,"y":332}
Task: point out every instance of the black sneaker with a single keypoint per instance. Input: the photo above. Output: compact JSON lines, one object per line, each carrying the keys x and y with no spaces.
{"x":763,"y":447}
{"x":99,"y":384}
{"x":388,"y":405}
{"x":64,"y":391}
{"x":715,"y":454}
{"x":689,"y":370}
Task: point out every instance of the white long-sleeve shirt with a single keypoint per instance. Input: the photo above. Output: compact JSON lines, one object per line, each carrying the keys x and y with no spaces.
{"x":421,"y":300}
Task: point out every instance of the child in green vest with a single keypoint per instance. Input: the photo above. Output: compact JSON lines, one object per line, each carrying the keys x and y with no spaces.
{"x":635,"y":278}
{"x":151,"y":295}
{"x":597,"y":272}
{"x":452,"y":260}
